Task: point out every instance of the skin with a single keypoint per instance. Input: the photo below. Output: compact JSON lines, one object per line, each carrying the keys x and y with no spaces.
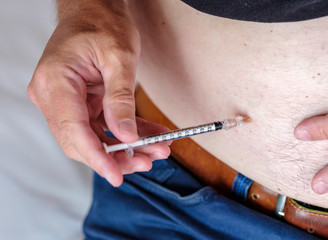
{"x":84,"y":82}
{"x":216,"y":67}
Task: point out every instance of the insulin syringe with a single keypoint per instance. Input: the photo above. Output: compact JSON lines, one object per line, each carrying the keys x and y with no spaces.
{"x":177,"y":134}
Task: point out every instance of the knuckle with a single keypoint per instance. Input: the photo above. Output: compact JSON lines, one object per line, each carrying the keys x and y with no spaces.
{"x":122,"y":95}
{"x":38,"y":83}
{"x":66,"y":131}
{"x":65,"y":143}
{"x":40,"y":74}
{"x":31,"y":93}
{"x":64,"y":127}
{"x":69,"y":127}
{"x":124,"y":56}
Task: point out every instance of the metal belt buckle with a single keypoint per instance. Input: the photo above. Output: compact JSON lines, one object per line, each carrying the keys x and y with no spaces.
{"x":279,"y":211}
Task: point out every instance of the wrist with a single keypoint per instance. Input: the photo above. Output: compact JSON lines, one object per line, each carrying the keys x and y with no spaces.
{"x":109,"y":19}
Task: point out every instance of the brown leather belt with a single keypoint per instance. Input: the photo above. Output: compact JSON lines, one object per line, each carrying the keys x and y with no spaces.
{"x":220,"y":176}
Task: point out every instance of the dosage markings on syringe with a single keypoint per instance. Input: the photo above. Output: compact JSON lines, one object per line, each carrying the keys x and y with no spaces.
{"x":179,"y":134}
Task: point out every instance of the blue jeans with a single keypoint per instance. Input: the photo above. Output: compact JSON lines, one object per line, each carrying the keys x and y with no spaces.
{"x":170,"y":203}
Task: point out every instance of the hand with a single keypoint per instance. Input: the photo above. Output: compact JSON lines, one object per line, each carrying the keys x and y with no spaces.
{"x":312,"y":129}
{"x":84,"y":82}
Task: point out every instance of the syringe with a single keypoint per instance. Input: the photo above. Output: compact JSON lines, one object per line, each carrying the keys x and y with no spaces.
{"x":177,"y":134}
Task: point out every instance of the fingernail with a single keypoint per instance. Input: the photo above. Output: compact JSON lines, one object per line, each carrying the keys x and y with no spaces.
{"x":320,"y":187}
{"x":158,"y":155}
{"x":127,"y":125}
{"x":303,"y":135}
{"x":140,"y":168}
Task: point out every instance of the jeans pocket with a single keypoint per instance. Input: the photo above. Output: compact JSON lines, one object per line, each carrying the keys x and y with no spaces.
{"x":169,"y":180}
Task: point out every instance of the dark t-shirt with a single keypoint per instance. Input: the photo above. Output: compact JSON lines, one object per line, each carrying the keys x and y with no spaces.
{"x":263,"y":10}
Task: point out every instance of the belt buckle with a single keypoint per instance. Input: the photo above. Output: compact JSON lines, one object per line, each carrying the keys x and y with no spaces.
{"x":281,"y":201}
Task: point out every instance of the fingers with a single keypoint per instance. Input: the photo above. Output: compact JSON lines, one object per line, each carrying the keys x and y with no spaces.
{"x":315,"y":128}
{"x":143,"y":157}
{"x":91,"y":152}
{"x":138,"y":163}
{"x":320,"y":181}
{"x":156,"y":151}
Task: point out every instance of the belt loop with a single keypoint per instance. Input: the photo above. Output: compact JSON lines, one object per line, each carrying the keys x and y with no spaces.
{"x":279,"y":211}
{"x":240,"y":187}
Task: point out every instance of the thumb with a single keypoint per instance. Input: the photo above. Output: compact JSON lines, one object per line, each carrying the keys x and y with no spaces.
{"x":119,"y":102}
{"x":315,"y":128}
{"x":320,"y":181}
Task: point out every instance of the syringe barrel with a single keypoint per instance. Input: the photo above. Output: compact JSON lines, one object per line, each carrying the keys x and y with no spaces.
{"x":181,"y":133}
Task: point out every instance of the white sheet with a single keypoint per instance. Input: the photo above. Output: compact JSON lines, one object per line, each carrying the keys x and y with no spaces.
{"x":43,"y":194}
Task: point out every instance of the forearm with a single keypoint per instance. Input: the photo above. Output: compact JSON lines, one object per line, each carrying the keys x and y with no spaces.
{"x":89,"y":10}
{"x":61,"y":6}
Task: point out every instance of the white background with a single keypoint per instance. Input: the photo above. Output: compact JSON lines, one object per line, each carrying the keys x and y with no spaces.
{"x":43,"y":194}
